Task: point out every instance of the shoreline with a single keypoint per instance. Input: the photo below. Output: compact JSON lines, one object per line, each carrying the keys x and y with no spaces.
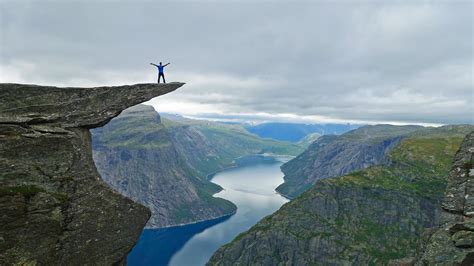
{"x":209,"y":177}
{"x":234,"y":163}
{"x":283,"y":195}
{"x":195,"y":222}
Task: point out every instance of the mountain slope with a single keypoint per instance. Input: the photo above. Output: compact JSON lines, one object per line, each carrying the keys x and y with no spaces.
{"x":451,"y":243}
{"x":331,"y":156}
{"x":294,"y":132}
{"x":367,"y":217}
{"x":165,"y":164}
{"x":309,"y":139}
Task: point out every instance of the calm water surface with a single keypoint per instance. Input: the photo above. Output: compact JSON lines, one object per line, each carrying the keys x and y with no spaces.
{"x":251,"y":187}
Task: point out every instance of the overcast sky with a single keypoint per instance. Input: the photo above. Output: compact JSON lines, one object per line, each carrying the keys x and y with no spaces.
{"x":338,"y":61}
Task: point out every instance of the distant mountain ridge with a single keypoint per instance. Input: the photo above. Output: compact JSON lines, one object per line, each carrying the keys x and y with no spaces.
{"x":294,"y":132}
{"x":164,"y":164}
{"x":309,"y":139}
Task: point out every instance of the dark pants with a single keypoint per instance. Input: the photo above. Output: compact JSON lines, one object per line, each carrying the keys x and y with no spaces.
{"x":161,"y":75}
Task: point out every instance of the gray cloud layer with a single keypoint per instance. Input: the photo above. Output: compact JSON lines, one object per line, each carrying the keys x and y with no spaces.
{"x":326,"y":61}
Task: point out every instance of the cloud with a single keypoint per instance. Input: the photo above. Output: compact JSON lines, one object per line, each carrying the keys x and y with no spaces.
{"x":367,"y":61}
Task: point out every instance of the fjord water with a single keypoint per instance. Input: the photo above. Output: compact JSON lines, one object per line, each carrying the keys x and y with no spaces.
{"x":250,"y":186}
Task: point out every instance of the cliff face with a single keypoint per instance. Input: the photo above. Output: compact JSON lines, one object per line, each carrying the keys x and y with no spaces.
{"x":55,"y":209}
{"x":371,"y":216}
{"x":452,"y":242}
{"x":164,"y":164}
{"x":137,"y":155}
{"x":331,"y":156}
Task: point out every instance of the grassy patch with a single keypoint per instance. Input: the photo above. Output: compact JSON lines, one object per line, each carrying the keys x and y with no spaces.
{"x":418,"y":165}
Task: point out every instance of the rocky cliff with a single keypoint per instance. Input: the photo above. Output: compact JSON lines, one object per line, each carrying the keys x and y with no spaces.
{"x":164,"y":164}
{"x":452,"y":242}
{"x":367,"y":217}
{"x":137,"y":155}
{"x":55,"y":209}
{"x":332,"y":155}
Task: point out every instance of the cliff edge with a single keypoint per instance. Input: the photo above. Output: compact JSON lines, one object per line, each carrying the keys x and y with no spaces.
{"x":54,"y":207}
{"x":452,"y":242}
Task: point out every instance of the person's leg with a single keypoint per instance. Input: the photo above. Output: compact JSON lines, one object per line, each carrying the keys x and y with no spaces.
{"x":158,"y":81}
{"x":164,"y":78}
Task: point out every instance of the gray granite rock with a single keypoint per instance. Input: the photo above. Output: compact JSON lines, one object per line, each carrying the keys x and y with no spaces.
{"x":451,"y":243}
{"x":54,"y":207}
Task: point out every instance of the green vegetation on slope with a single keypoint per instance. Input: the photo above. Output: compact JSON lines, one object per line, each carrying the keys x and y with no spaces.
{"x":331,"y":156}
{"x":367,"y":217}
{"x":228,"y":142}
{"x":418,"y":165}
{"x":450,"y":242}
{"x":241,"y":139}
{"x":165,"y":164}
{"x":134,"y":132}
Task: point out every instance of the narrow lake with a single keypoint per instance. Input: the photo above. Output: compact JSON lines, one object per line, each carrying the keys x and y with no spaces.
{"x":250,"y":186}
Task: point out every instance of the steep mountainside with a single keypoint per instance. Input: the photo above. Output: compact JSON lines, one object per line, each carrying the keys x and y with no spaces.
{"x":55,"y":209}
{"x":309,"y":139}
{"x":331,"y":156}
{"x":370,"y":216}
{"x":164,"y":164}
{"x":294,"y":132}
{"x":452,"y":242}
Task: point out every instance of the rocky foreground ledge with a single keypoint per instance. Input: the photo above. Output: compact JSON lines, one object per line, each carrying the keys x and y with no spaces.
{"x":54,"y":207}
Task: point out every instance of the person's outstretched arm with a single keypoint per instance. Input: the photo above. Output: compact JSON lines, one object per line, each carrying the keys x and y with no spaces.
{"x":153,"y":64}
{"x":167,"y":64}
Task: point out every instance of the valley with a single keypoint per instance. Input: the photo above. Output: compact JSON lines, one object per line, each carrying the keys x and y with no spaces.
{"x":369,"y":216}
{"x":165,"y":164}
{"x":250,"y":186}
{"x":203,"y":187}
{"x":236,"y":133}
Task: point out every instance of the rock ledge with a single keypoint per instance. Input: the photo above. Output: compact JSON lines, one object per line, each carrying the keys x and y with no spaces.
{"x":54,"y":207}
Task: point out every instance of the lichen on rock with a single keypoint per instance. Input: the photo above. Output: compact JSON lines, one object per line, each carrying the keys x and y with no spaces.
{"x":452,"y":242}
{"x":55,"y":209}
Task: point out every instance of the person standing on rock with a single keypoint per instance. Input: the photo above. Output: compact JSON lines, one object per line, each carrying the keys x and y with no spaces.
{"x":161,"y":71}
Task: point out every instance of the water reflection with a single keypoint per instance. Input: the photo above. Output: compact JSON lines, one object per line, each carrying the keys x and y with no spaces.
{"x":250,"y":186}
{"x":156,"y":247}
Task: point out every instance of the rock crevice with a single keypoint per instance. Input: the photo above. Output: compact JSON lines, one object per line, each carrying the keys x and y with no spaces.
{"x":55,"y":209}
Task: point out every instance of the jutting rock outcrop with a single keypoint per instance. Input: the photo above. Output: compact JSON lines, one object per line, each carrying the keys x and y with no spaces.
{"x":54,"y":207}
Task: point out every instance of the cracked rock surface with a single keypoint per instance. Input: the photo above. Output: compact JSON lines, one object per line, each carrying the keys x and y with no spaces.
{"x":452,"y":243}
{"x":54,"y":207}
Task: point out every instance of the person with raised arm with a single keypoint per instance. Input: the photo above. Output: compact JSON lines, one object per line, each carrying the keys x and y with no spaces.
{"x":161,"y":69}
